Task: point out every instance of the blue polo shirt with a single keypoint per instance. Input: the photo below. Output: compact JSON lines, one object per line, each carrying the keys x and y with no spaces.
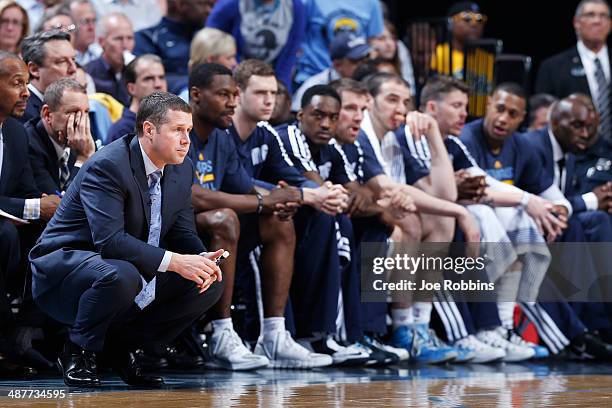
{"x":515,"y":164}
{"x":216,"y":164}
{"x":170,"y":40}
{"x":125,"y":124}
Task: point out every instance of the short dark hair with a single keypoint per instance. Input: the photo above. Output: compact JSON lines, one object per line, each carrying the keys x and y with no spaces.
{"x":247,"y":68}
{"x":437,"y":87}
{"x":537,"y":101}
{"x":129,"y":72}
{"x":203,"y":75}
{"x":32,"y":47}
{"x":349,"y":85}
{"x":55,"y":92}
{"x":319,"y":90}
{"x":512,"y":88}
{"x":375,"y":81}
{"x":154,"y":108}
{"x":5,"y":55}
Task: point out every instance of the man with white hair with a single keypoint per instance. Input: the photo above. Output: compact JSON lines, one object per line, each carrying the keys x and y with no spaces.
{"x":116,"y":36}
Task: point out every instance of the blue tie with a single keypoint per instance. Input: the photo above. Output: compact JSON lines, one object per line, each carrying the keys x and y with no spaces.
{"x":147,"y":294}
{"x":156,"y":219}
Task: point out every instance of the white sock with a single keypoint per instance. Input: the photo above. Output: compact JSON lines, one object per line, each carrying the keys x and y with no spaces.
{"x":402,"y":317}
{"x":506,"y":314}
{"x":272,"y":325}
{"x":221,"y":324}
{"x":422,"y":312}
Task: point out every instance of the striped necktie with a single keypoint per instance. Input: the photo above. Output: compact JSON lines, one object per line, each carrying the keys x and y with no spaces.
{"x":64,"y":170}
{"x":603,"y":101}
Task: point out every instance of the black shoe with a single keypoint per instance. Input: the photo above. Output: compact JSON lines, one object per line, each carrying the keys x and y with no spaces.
{"x":181,"y":360}
{"x":12,"y":371}
{"x":589,"y":346}
{"x":149,"y":362}
{"x":78,"y":366}
{"x":127,"y":367}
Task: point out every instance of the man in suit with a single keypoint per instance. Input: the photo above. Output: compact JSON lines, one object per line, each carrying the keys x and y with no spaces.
{"x":19,"y":196}
{"x":585,"y":68}
{"x":116,"y":37}
{"x":49,"y":56}
{"x":60,"y":141}
{"x":572,"y":130}
{"x":143,"y":76}
{"x":119,"y":262}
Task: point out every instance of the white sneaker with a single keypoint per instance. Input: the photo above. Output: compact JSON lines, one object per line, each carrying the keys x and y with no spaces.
{"x":284,"y":352}
{"x":353,"y":354}
{"x":499,"y":337}
{"x":226,"y":350}
{"x":483,"y":353}
{"x":401,"y":353}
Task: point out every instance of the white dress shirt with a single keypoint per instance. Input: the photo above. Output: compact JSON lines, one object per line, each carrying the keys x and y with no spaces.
{"x":587,"y":57}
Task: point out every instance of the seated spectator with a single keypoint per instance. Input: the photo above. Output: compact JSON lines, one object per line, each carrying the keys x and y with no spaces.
{"x":282,"y":106}
{"x":143,"y":76}
{"x":212,"y":45}
{"x":346,"y":53}
{"x":49,"y":56}
{"x":84,"y":17}
{"x":268,"y":30}
{"x":372,"y":66}
{"x":20,"y":198}
{"x":116,"y":38}
{"x":467,"y":24}
{"x":209,"y":46}
{"x":57,"y":18}
{"x":327,"y":19}
{"x":36,"y":8}
{"x":142,"y":13}
{"x":60,"y":142}
{"x":388,"y":47}
{"x":14,"y":26}
{"x":539,"y":106}
{"x":171,"y":38}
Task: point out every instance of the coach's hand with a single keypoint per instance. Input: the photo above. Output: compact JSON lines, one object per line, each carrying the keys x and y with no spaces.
{"x":48,"y":205}
{"x":79,"y":137}
{"x":200,"y":269}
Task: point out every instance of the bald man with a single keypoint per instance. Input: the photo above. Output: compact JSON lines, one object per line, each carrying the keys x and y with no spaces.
{"x":116,"y":36}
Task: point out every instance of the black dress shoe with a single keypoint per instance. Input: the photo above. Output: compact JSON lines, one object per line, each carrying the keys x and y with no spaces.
{"x":78,"y":367}
{"x":149,"y":362}
{"x":12,"y":371}
{"x":127,"y":367}
{"x":181,"y":360}
{"x":589,"y":346}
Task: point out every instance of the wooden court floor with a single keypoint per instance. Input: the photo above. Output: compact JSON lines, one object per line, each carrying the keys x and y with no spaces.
{"x":502,"y":385}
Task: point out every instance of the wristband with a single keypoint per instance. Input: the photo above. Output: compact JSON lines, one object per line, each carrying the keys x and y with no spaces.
{"x":525,"y":199}
{"x":259,"y":203}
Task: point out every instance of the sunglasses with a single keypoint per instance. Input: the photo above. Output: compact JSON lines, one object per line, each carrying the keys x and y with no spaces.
{"x":470,"y":18}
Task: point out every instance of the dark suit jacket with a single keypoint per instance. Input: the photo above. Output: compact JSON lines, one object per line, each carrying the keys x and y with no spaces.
{"x":33,"y":108}
{"x":541,"y":144}
{"x":16,"y":179}
{"x":106,"y":82}
{"x":106,"y":211}
{"x":43,"y":158}
{"x":563,"y":74}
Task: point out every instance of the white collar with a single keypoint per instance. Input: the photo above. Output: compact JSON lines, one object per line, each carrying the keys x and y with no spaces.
{"x":557,"y":151}
{"x":583,"y":51}
{"x":36,"y":92}
{"x":150,"y":168}
{"x":59,"y":150}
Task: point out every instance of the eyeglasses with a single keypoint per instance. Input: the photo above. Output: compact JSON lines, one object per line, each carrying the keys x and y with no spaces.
{"x":87,"y":21}
{"x":470,"y":17}
{"x":67,"y":29}
{"x":591,"y":15}
{"x":8,"y":22}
